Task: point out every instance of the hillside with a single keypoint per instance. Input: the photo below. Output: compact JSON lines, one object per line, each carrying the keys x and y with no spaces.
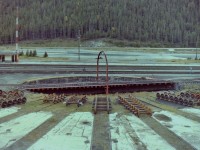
{"x":143,"y":22}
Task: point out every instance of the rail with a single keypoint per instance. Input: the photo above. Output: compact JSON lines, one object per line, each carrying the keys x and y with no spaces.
{"x":95,"y":104}
{"x":134,"y":105}
{"x":183,"y":98}
{"x":108,"y":106}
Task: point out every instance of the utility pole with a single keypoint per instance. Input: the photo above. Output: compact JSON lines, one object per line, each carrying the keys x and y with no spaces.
{"x":17,"y":28}
{"x":196,"y":47}
{"x":79,"y":37}
{"x":16,"y":56}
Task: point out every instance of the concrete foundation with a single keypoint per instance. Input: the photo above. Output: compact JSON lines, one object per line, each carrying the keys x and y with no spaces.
{"x":14,"y":57}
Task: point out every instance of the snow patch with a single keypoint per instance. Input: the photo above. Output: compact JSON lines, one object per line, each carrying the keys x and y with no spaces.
{"x":8,"y":111}
{"x":183,"y":127}
{"x":15,"y":129}
{"x":73,"y":133}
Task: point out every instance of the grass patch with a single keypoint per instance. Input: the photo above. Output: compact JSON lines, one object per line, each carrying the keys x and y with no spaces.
{"x":50,"y":43}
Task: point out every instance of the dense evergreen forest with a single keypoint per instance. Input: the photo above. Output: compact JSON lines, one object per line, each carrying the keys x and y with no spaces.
{"x":174,"y":22}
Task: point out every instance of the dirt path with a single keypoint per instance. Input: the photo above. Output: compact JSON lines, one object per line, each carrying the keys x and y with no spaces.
{"x":101,"y":132}
{"x":166,"y":134}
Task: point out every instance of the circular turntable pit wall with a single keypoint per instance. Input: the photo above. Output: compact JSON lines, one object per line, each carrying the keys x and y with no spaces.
{"x":81,"y":79}
{"x":89,"y":85}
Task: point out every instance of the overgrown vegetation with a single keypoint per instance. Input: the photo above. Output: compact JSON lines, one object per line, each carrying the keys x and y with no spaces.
{"x":152,"y":23}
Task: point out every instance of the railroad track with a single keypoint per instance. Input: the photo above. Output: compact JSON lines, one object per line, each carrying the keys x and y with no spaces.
{"x":86,"y":67}
{"x":47,"y":71}
{"x":101,"y":104}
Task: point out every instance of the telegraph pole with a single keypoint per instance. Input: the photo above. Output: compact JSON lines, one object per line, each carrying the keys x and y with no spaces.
{"x":17,"y":29}
{"x":79,"y":37}
{"x":16,"y":56}
{"x":196,"y":47}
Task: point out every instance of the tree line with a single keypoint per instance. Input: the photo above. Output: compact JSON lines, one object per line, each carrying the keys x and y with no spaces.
{"x":174,"y":22}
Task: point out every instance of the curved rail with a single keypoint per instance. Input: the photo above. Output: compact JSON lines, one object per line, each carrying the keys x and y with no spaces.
{"x":99,"y":55}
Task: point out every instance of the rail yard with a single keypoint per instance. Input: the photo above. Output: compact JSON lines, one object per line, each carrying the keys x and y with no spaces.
{"x":85,"y":106}
{"x":99,"y":75}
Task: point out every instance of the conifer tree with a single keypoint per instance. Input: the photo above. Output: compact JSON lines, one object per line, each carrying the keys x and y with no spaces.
{"x":34,"y":53}
{"x":31,"y":53}
{"x":45,"y":54}
{"x":27,"y":53}
{"x":174,"y":22}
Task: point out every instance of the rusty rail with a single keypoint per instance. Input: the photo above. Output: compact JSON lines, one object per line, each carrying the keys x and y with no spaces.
{"x":10,"y":98}
{"x":54,"y":98}
{"x":101,"y":104}
{"x":95,"y":105}
{"x":134,"y":105}
{"x":183,"y":98}
{"x":76,"y":100}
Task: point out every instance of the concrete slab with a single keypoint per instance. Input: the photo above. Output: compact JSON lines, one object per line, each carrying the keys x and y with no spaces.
{"x":73,"y":133}
{"x":15,"y":129}
{"x":193,"y":111}
{"x":144,"y":138}
{"x":183,"y":127}
{"x":8,"y":111}
{"x":148,"y":136}
{"x":121,"y":140}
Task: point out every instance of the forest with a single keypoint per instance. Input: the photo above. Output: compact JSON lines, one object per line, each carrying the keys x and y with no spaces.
{"x":167,"y":22}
